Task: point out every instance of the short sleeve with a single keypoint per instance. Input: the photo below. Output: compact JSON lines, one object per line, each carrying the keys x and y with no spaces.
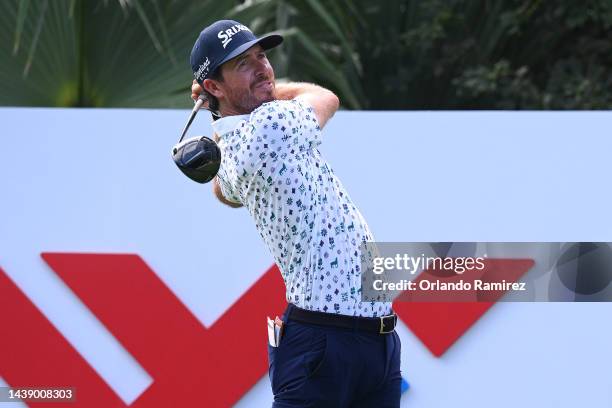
{"x":291,"y":124}
{"x":235,"y":159}
{"x":227,"y":191}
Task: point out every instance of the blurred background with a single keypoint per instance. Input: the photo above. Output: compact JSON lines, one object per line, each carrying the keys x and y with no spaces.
{"x":378,"y":55}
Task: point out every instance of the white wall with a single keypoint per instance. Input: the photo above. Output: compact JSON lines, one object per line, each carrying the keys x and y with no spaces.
{"x":103,"y":181}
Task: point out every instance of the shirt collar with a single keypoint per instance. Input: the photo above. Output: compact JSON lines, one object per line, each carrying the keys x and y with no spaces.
{"x":227,"y":124}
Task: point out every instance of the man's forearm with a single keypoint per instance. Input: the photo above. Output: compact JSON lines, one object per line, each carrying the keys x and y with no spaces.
{"x":217,"y":188}
{"x":217,"y":192}
{"x":324,"y":101}
{"x":290,"y":90}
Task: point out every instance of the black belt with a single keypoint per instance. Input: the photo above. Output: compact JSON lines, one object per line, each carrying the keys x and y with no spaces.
{"x":381,"y":325}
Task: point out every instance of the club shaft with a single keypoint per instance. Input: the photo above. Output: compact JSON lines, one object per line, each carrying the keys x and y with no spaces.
{"x":193,"y":114}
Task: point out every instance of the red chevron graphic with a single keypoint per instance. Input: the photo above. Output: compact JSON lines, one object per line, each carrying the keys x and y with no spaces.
{"x":34,"y":353}
{"x":189,"y":364}
{"x":440,"y":324}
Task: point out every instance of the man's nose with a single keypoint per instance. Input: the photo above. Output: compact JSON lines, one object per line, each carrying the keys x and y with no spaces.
{"x":261,"y":67}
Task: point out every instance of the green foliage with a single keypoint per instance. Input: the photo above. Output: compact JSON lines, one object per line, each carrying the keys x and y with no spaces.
{"x":552,"y":55}
{"x":392,"y":54}
{"x":486,"y":54}
{"x":129,"y":53}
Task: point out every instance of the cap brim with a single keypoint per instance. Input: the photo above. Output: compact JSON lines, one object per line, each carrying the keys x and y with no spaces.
{"x":267,"y":42}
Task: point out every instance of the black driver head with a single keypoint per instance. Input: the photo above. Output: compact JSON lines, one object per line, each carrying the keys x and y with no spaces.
{"x":198,"y":158}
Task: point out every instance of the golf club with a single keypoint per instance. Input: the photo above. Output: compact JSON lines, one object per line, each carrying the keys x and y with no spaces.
{"x":199,"y":157}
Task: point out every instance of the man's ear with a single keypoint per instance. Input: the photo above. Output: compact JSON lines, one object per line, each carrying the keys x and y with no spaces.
{"x":212,"y":87}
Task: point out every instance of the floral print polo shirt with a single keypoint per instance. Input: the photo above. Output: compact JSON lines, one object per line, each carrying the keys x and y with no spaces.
{"x":271,"y":164}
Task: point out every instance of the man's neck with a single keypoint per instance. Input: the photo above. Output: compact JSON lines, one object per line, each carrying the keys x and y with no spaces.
{"x":231,"y":111}
{"x":235,"y":111}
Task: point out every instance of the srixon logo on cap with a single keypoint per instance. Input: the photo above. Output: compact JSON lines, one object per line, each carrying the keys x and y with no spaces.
{"x":226,"y":35}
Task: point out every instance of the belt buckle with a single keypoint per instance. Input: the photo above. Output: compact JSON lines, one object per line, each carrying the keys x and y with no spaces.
{"x":382,"y":324}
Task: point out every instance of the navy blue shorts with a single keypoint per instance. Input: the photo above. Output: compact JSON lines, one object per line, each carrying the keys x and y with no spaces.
{"x":321,"y":366}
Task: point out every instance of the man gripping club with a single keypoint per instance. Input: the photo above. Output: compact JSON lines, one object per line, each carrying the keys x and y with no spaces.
{"x":335,"y":350}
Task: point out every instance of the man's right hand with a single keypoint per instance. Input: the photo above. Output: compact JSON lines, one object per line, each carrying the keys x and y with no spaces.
{"x":196,"y":90}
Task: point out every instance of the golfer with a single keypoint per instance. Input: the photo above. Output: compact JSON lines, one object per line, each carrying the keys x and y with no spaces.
{"x":334,"y":350}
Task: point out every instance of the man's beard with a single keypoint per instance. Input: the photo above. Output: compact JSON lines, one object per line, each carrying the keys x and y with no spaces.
{"x":245,"y":101}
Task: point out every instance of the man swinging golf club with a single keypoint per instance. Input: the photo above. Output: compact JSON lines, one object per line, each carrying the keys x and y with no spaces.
{"x":334,"y":350}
